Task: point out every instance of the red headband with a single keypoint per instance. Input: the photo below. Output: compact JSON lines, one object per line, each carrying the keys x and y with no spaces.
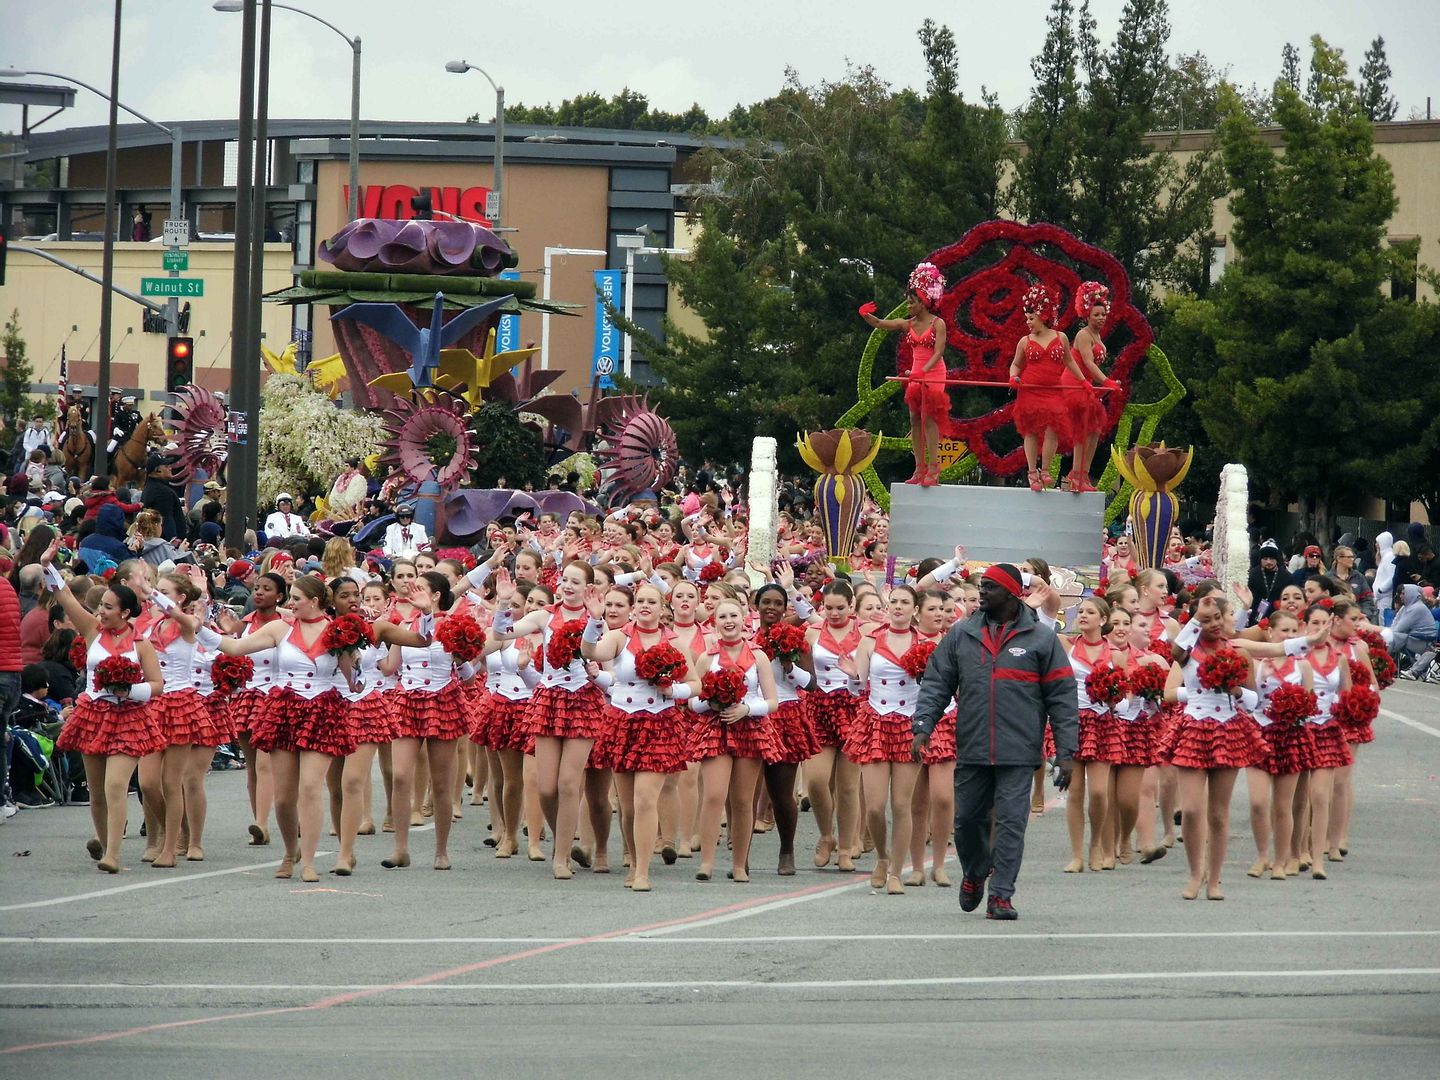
{"x":1004,"y":579}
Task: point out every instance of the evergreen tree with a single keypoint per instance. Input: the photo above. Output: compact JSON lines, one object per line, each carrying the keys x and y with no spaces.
{"x":1375,"y":95}
{"x":18,"y":375}
{"x":1049,"y":126}
{"x":1290,"y":67}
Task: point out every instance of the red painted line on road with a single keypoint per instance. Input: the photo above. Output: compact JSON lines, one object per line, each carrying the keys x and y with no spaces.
{"x":426,"y":980}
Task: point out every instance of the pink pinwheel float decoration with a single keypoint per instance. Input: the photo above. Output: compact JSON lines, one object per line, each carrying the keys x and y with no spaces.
{"x":199,"y":421}
{"x":429,"y":439}
{"x":642,"y":452}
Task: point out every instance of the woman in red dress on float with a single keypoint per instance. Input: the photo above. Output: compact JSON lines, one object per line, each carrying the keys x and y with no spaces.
{"x":112,"y":728}
{"x":567,"y":710}
{"x":1041,"y":407}
{"x":925,"y":392}
{"x":1088,"y":419}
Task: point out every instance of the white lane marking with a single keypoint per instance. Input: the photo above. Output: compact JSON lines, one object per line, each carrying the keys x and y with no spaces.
{"x":759,"y":909}
{"x":752,"y":984}
{"x":1416,"y":724}
{"x":774,"y":939}
{"x":150,"y":883}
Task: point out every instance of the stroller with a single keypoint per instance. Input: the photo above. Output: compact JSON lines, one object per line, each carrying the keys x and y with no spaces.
{"x":33,"y":753}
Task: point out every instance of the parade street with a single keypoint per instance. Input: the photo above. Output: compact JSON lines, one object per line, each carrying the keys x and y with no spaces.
{"x":495,"y":970}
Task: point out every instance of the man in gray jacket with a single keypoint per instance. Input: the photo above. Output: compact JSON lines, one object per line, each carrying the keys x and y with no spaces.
{"x":1008,"y":675}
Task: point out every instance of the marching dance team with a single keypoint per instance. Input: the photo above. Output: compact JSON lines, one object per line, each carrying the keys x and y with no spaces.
{"x":642,"y":675}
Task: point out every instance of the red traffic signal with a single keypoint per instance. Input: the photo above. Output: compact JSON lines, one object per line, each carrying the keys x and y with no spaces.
{"x":179,"y":363}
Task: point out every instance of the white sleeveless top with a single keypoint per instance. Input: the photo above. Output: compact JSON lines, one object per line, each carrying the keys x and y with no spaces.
{"x":829,"y":678}
{"x":264,"y":675}
{"x":94,"y":656}
{"x":177,"y":660}
{"x":425,"y":671}
{"x":505,"y":677}
{"x":200,"y":664}
{"x":891,"y":688}
{"x":632,"y":694}
{"x":1206,"y":704}
{"x":368,"y":673}
{"x":1326,"y":687}
{"x":296,"y":671}
{"x":572,"y":677}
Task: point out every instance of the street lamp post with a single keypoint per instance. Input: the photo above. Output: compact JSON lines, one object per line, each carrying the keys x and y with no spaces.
{"x":460,"y":67}
{"x":635,"y":245}
{"x":172,"y":306}
{"x":354,"y":43}
{"x":550,"y":253}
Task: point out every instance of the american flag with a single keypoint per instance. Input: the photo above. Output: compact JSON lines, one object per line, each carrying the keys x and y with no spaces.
{"x":64,"y":385}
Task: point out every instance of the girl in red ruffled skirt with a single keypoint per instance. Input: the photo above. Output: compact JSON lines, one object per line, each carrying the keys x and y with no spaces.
{"x":833,"y":779}
{"x":932,"y":806}
{"x":1101,"y":742}
{"x":1347,"y":620}
{"x":1272,"y":784}
{"x":112,"y":726}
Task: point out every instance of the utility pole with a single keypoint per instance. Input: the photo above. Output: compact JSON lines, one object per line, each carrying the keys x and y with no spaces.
{"x":100,"y":418}
{"x":244,"y":371}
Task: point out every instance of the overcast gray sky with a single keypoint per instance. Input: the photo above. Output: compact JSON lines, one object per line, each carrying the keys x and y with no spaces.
{"x":180,"y":58}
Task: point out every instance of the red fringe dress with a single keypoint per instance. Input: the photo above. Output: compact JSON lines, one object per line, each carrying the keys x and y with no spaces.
{"x":184,"y":714}
{"x":752,"y":737}
{"x":1361,"y":674}
{"x":1292,"y":746}
{"x":1327,"y":734}
{"x":304,"y":712}
{"x":1087,"y":414}
{"x":881,"y":731}
{"x":500,"y":721}
{"x":372,"y":707}
{"x":645,"y":729}
{"x":832,"y":698}
{"x":1211,"y":731}
{"x":429,"y":700}
{"x":104,"y":726}
{"x":1138,"y":722}
{"x":1040,"y":403}
{"x":925,"y":392}
{"x":1102,"y":737}
{"x":795,"y":738}
{"x":566,"y":704}
{"x":245,"y":703}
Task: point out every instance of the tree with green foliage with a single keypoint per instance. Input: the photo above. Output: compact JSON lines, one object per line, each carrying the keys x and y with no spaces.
{"x":1290,"y":67}
{"x":505,"y":448}
{"x":19,"y":374}
{"x":1049,"y":126}
{"x":1375,"y":96}
{"x":627,"y":110}
{"x":1298,"y":336}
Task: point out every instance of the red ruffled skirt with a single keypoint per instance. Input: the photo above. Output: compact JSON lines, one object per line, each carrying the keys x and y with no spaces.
{"x":566,"y":714}
{"x":831,"y":715}
{"x":876,"y":737}
{"x":1038,"y":407}
{"x":243,"y":705}
{"x":439,"y":715}
{"x":109,"y":728}
{"x":1361,"y":731}
{"x":373,"y":718}
{"x":291,"y":722}
{"x":1047,"y":744}
{"x":941,"y":747}
{"x":190,"y":719}
{"x":926,"y":393}
{"x":1331,"y":751}
{"x":1292,"y":748}
{"x":499,"y":724}
{"x":752,"y":737}
{"x":642,"y":742}
{"x":1100,"y":737}
{"x":795,"y":739}
{"x":1137,"y":740}
{"x":1206,"y":743}
{"x":1086,"y":415}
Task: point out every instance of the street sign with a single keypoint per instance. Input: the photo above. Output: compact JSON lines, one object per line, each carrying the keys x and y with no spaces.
{"x":492,"y":205}
{"x":176,"y":260}
{"x":162,"y":286}
{"x":176,"y":232}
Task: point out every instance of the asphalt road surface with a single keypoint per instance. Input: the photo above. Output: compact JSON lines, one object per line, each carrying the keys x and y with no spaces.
{"x":493,"y":969}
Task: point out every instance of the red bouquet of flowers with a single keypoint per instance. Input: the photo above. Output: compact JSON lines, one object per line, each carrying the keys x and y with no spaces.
{"x":117,"y":672}
{"x":79,"y":653}
{"x":1223,"y":670}
{"x":1381,"y":662}
{"x":564,"y":645}
{"x":461,"y":636}
{"x":661,"y":664}
{"x":1148,"y":681}
{"x":1107,"y":685}
{"x":347,"y":633}
{"x":782,"y":641}
{"x":711,"y":571}
{"x":722,"y":687}
{"x":1358,"y":705}
{"x":1291,"y":704}
{"x":916,"y":657}
{"x":230,"y":673}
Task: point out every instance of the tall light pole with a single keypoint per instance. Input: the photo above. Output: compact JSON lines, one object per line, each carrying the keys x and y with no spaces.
{"x":635,"y":245}
{"x":172,"y":307}
{"x":460,"y":67}
{"x":550,"y":253}
{"x":354,"y":43}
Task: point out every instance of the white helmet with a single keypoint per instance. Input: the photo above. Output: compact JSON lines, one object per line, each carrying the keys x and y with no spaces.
{"x":284,"y":496}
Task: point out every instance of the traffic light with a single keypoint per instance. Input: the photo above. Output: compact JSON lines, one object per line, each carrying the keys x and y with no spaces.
{"x":3,"y":248}
{"x":179,"y":363}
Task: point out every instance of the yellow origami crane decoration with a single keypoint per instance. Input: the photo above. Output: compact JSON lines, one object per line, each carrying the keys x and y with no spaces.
{"x":327,"y":374}
{"x":284,"y":363}
{"x":461,"y":366}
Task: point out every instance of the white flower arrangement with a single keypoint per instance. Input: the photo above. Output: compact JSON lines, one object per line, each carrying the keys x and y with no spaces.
{"x":305,"y":439}
{"x":1231,"y":543}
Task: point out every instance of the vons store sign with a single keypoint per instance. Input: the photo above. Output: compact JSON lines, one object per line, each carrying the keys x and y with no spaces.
{"x":393,"y":201}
